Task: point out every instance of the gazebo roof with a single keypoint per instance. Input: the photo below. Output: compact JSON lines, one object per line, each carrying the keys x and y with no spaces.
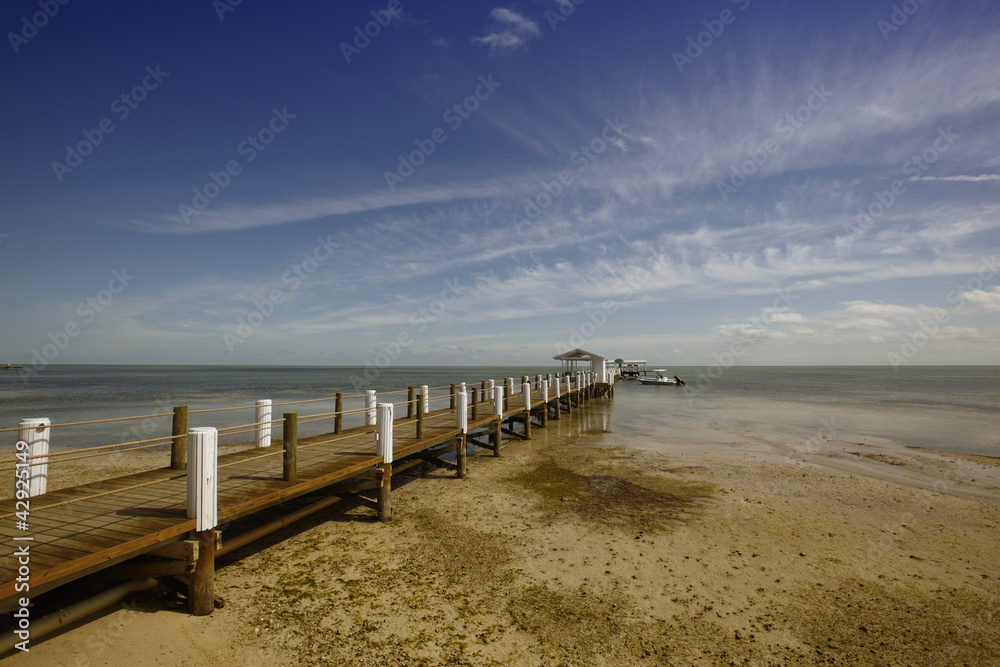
{"x":578,"y":355}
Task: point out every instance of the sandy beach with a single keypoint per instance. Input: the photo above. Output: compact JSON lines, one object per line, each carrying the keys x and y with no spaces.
{"x":564,"y":552}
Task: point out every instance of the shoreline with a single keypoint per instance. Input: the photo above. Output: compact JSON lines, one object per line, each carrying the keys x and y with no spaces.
{"x":563,"y":552}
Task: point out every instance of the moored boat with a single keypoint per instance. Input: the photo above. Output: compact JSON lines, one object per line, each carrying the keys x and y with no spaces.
{"x":662,"y":379}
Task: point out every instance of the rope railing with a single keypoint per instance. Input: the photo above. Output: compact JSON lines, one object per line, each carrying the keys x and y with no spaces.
{"x":89,"y":456}
{"x":93,"y":421}
{"x":333,"y":414}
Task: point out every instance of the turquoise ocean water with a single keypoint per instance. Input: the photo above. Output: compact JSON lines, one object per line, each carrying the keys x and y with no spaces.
{"x":954,"y":408}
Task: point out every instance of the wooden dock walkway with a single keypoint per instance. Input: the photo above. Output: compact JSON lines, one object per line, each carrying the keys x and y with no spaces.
{"x":137,"y":525}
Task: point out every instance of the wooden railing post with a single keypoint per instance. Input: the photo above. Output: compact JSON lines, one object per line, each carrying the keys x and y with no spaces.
{"x":338,"y":421}
{"x":475,"y":404}
{"x":178,"y":446}
{"x":35,"y":434}
{"x":262,"y":417}
{"x":409,"y":403}
{"x":289,"y":438}
{"x":451,"y":404}
{"x":202,"y":505}
{"x":420,"y":418}
{"x":383,"y":474}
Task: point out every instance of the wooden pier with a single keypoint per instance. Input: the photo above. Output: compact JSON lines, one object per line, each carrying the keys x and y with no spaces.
{"x":138,"y":526}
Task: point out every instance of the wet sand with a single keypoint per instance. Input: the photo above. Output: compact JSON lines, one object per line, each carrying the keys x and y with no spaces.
{"x":565,"y":552}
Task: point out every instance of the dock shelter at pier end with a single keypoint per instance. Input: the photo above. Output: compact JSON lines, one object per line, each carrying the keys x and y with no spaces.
{"x":574,"y":361}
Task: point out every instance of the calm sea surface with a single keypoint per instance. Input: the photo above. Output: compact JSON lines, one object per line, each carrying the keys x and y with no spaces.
{"x":954,"y":408}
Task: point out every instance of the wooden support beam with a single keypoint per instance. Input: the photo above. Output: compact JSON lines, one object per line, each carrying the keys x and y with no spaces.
{"x":127,"y":571}
{"x":441,"y":462}
{"x":202,"y":590}
{"x":383,"y":477}
{"x":495,"y":437}
{"x":511,"y":432}
{"x":182,"y":550}
{"x":289,"y":439}
{"x":462,"y":457}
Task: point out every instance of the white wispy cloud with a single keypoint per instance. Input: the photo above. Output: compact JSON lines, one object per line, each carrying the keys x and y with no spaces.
{"x":966,"y":179}
{"x":988,"y":300}
{"x":510,"y":31}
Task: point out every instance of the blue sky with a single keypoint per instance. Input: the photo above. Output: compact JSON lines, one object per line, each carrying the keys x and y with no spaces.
{"x":731,"y":182}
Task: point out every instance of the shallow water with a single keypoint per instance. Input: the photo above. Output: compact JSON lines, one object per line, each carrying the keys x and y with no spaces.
{"x":953,"y":408}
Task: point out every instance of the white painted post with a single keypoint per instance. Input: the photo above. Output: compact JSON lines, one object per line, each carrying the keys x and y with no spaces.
{"x":35,"y":432}
{"x":383,"y":432}
{"x":383,"y":448}
{"x":489,"y":390}
{"x":538,"y":382}
{"x":558,"y":391}
{"x":262,"y":415}
{"x":460,"y":389}
{"x":369,"y":407}
{"x":545,"y":392}
{"x":462,"y":412}
{"x":526,"y":394}
{"x":426,"y":398}
{"x":498,"y":401}
{"x":202,"y":476}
